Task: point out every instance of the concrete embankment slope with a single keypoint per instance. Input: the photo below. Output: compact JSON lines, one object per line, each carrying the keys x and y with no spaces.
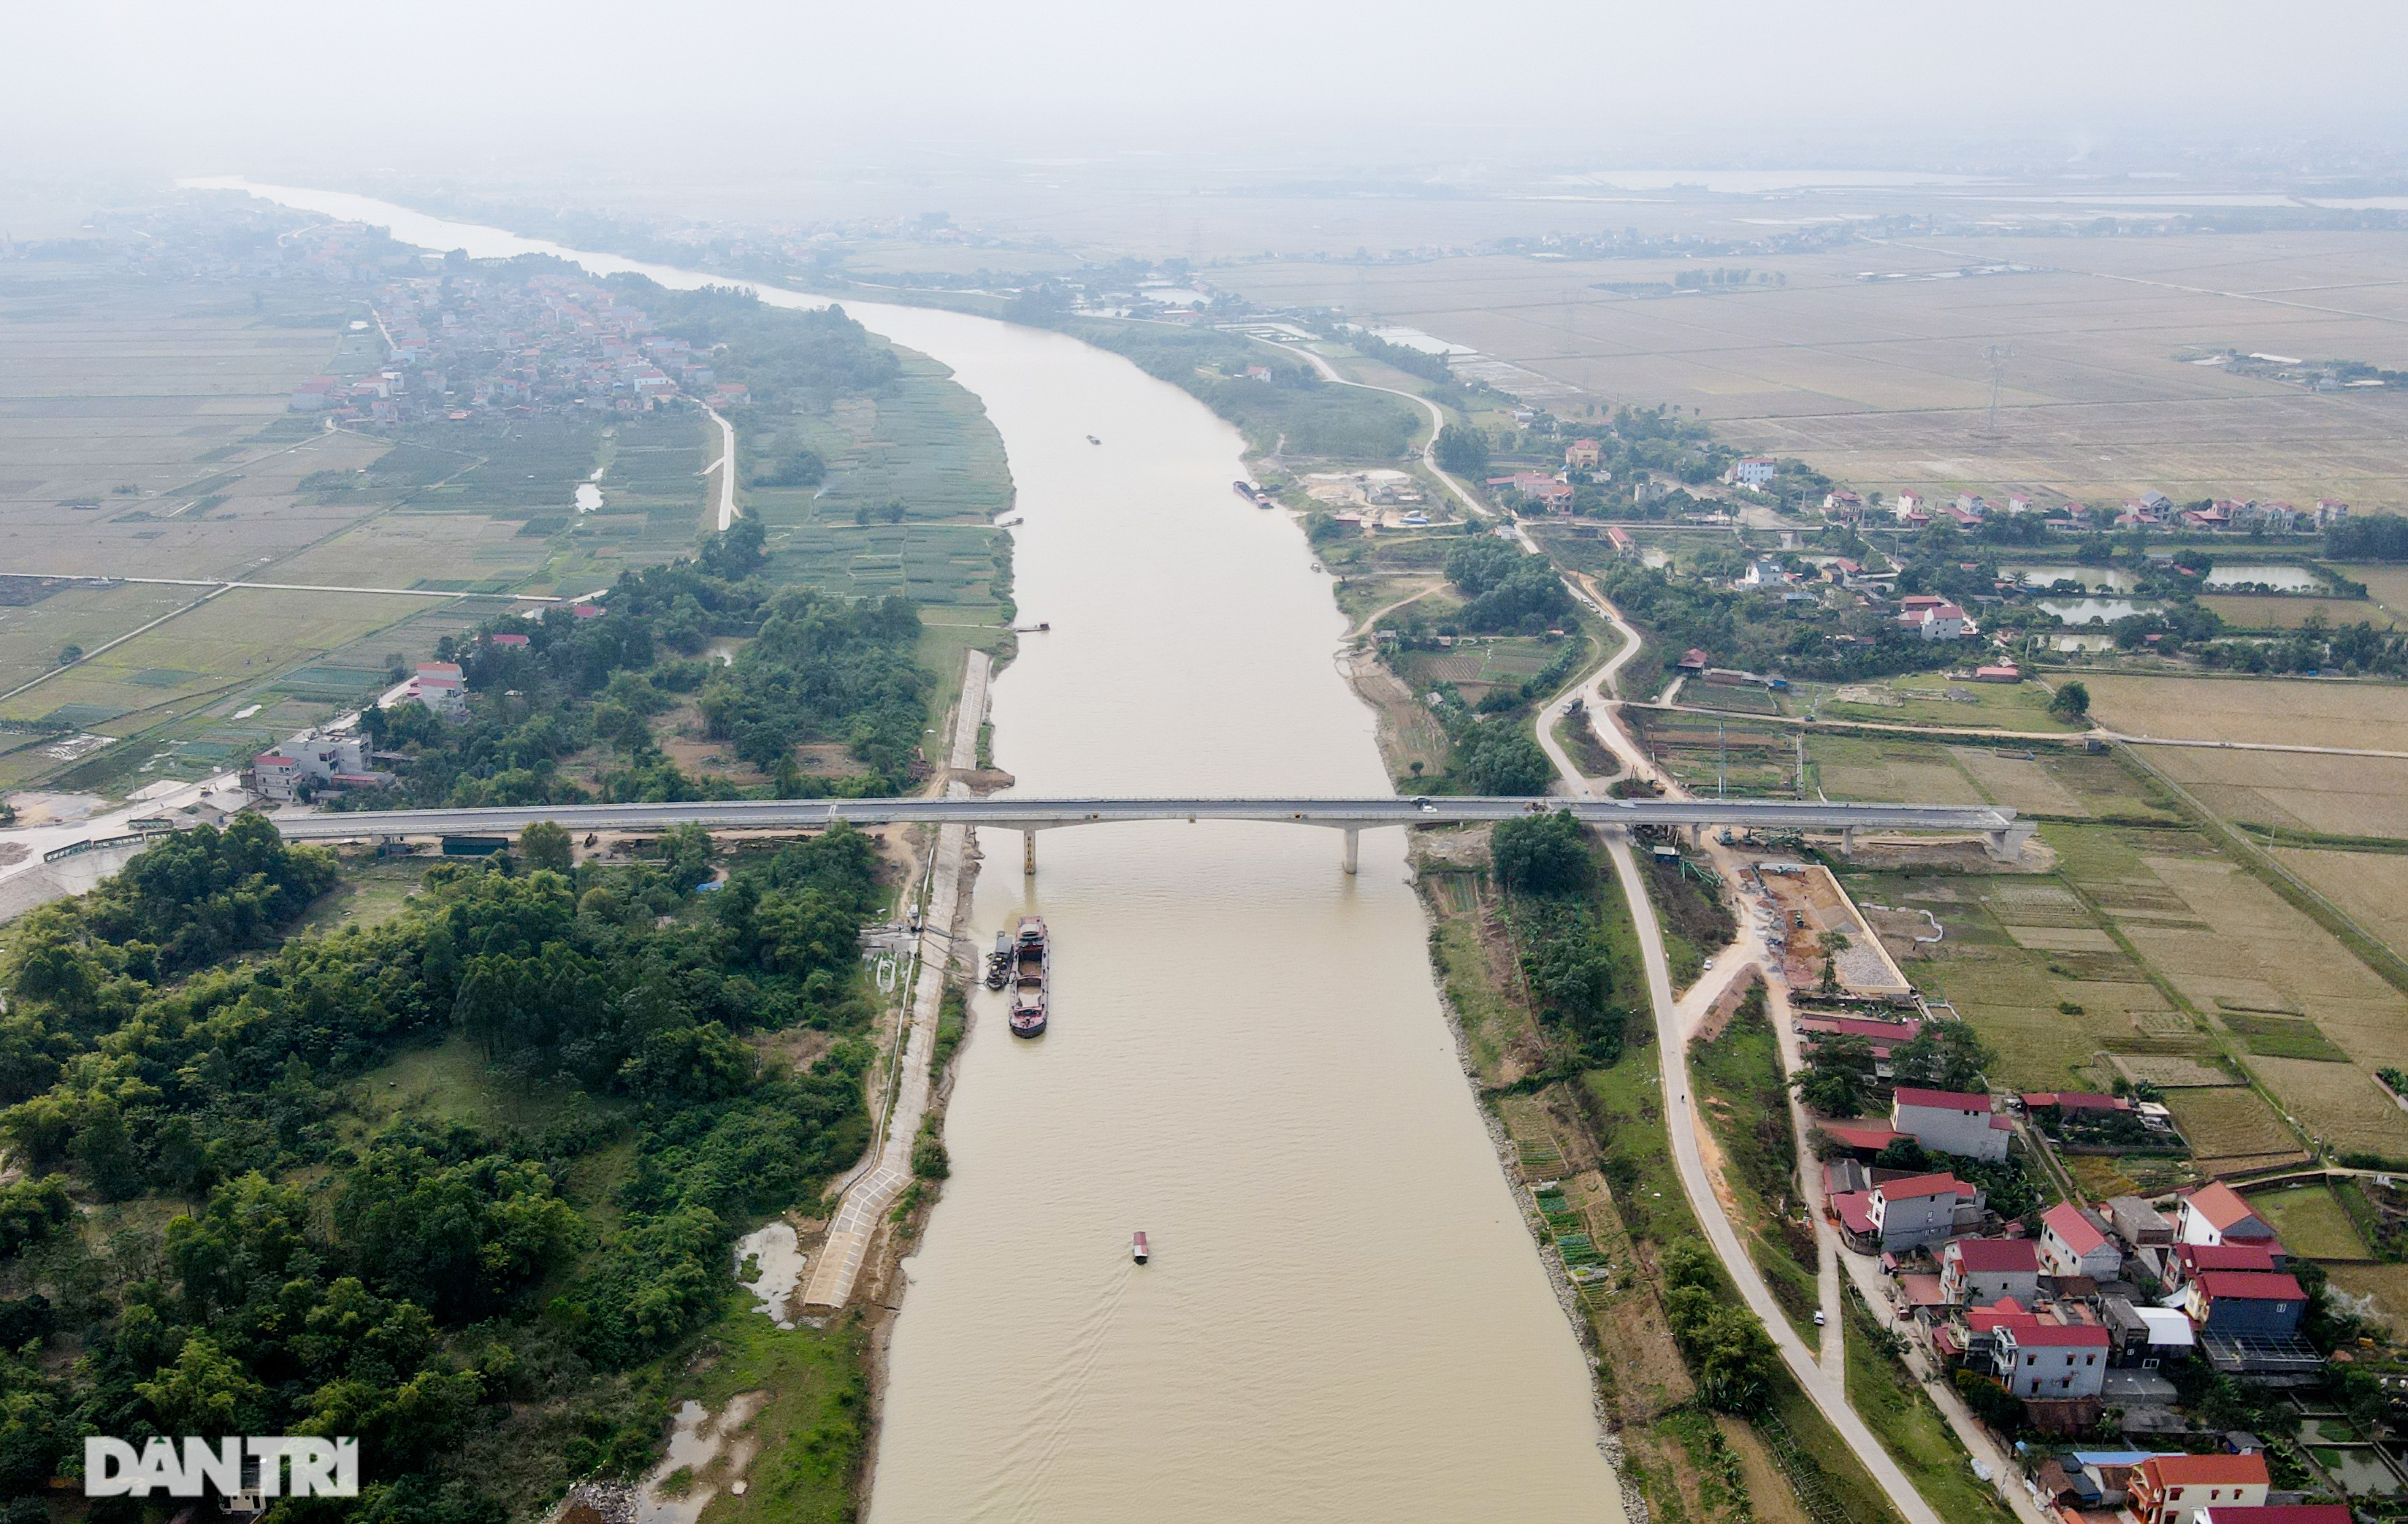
{"x":866,"y":1200}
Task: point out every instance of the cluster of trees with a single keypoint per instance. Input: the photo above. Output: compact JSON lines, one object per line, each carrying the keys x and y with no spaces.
{"x":2318,"y":645}
{"x":820,"y":669}
{"x":1837,"y":1078}
{"x":2375,"y":536}
{"x":788,"y":360}
{"x":1760,"y":633}
{"x":1506,"y":589}
{"x":1549,"y":874}
{"x":407,"y":1283}
{"x":1733,"y":1357}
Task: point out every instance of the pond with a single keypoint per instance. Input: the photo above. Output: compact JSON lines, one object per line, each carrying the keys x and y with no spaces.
{"x":2096,"y":579}
{"x":2083,"y":611}
{"x":2282,"y":578}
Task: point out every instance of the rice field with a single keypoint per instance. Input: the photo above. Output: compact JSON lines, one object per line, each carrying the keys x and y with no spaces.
{"x":1882,"y":384}
{"x":2364,"y":715}
{"x":2294,"y":791}
{"x":2232,"y":1129}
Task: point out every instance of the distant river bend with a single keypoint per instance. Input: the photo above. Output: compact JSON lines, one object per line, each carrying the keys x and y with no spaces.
{"x":1344,"y":1316}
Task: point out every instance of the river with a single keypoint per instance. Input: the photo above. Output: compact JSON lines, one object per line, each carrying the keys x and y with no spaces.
{"x":1344,"y":1313}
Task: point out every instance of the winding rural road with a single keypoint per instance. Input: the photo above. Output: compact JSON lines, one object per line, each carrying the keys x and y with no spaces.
{"x":726,"y":469}
{"x":1825,"y":1384}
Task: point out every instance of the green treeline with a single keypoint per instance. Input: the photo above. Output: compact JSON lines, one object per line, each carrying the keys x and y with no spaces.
{"x":819,"y":669}
{"x":426,"y":1286}
{"x":1549,"y":873}
{"x":1315,"y":417}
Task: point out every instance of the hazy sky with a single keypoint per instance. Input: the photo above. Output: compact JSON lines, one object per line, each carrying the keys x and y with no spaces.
{"x":269,"y":85}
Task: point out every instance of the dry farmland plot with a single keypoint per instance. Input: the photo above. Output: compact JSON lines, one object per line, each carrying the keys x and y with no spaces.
{"x":2254,"y":953}
{"x":237,"y":637}
{"x":427,"y":551}
{"x":2372,"y":716}
{"x":2272,"y":613}
{"x":2231,"y":1129}
{"x":2021,"y":785}
{"x":2015,"y":950}
{"x":2385,"y":1287}
{"x":33,"y":634}
{"x":2369,"y":887}
{"x":2387,"y":587}
{"x":1899,"y":772}
{"x":1882,"y":384}
{"x":2296,"y":791}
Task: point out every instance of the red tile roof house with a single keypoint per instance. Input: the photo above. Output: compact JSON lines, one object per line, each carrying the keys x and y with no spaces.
{"x":2070,"y":1243}
{"x":2190,"y":1260}
{"x":1977,"y":1271}
{"x":2217,"y":1214}
{"x":1921,"y":1209}
{"x":1951,"y":1122}
{"x":2175,"y":1488}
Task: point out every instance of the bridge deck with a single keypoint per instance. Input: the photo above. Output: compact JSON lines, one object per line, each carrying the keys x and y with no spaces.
{"x":1032,"y":814}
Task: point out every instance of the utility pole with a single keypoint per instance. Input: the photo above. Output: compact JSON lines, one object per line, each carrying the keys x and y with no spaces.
{"x":1998,"y":355}
{"x":1722,"y":761}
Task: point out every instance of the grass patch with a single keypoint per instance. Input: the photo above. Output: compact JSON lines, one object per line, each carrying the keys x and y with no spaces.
{"x":810,"y":1427}
{"x":2312,"y":1221}
{"x":1739,"y":1086}
{"x":1895,"y":1406}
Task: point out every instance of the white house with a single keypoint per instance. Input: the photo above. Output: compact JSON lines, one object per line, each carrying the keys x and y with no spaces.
{"x":317,"y":759}
{"x":1918,"y":1209}
{"x":2070,"y":1243}
{"x":1983,"y":1271}
{"x":1753,"y":473}
{"x":2052,"y":1361}
{"x":1943,"y":622}
{"x":1908,"y":505}
{"x":1951,"y":1122}
{"x":2216,"y":1214}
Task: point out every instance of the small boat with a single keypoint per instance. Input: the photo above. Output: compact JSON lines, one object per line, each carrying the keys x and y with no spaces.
{"x":1246,"y":490}
{"x":1092,"y":439}
{"x":1138,"y":1250}
{"x":1032,"y":976}
{"x":998,"y":963}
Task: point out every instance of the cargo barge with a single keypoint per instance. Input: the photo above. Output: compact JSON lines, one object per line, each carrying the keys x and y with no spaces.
{"x":1032,"y":973}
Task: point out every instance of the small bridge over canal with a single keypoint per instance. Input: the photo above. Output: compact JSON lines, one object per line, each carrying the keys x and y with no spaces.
{"x":2004,"y":833}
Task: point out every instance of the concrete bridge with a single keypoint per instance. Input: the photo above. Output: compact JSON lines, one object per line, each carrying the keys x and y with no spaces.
{"x":2003,"y":832}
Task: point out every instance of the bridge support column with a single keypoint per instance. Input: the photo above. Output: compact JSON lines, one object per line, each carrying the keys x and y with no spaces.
{"x":1847,"y":841}
{"x":2008,"y":844}
{"x":1354,"y":844}
{"x":1028,"y":854}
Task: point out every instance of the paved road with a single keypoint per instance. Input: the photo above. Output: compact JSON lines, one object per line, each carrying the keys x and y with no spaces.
{"x":1676,"y":1022}
{"x":866,"y":1199}
{"x":726,"y":469}
{"x":1824,"y":1385}
{"x":1429,"y":447}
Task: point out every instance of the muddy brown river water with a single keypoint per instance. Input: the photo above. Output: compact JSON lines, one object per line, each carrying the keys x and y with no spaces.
{"x":1344,"y":1315}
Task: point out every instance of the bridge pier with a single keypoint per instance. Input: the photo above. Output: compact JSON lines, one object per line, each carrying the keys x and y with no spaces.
{"x":2008,"y":844}
{"x":1028,"y":854}
{"x":1847,"y":841}
{"x":1354,"y":844}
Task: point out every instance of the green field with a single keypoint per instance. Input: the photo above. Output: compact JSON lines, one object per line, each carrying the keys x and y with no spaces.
{"x":2311,"y":1221}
